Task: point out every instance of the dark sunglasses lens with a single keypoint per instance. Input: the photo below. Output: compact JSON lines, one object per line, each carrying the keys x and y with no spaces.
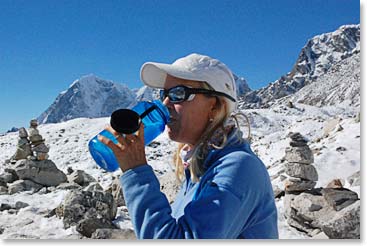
{"x":177,"y":94}
{"x":162,"y":95}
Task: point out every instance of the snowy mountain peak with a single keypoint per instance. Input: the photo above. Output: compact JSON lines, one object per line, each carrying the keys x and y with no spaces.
{"x":89,"y":97}
{"x":318,"y":55}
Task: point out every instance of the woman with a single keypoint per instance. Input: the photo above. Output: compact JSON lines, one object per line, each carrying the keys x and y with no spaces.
{"x":226,"y":190}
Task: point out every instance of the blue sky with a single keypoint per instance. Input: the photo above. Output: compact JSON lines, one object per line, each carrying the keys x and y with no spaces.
{"x":46,"y":45}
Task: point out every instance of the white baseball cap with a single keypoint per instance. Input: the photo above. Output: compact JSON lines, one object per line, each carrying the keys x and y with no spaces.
{"x":193,"y":67}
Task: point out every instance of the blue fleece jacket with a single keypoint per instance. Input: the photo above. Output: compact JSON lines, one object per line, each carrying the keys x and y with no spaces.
{"x":234,"y":199}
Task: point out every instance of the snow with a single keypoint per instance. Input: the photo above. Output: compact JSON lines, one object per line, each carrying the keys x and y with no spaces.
{"x":269,"y":127}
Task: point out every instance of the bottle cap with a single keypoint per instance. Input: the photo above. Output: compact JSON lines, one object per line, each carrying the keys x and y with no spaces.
{"x":125,"y":121}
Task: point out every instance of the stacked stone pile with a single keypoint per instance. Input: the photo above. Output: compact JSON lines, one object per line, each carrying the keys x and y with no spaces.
{"x":38,"y":143}
{"x":23,"y":147}
{"x":301,"y":174}
{"x":333,"y":212}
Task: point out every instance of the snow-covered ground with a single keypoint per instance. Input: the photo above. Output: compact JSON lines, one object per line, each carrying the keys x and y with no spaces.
{"x":269,"y":127}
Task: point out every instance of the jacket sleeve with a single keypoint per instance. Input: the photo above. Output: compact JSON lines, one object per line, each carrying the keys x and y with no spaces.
{"x":217,"y":212}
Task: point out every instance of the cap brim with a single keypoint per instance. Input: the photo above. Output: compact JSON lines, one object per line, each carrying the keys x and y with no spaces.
{"x":154,"y":74}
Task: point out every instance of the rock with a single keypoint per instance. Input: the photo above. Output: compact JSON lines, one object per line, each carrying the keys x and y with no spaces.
{"x":7,"y":177}
{"x":68,"y":186}
{"x":341,"y":149}
{"x":42,"y":172}
{"x":3,"y":190}
{"x":298,"y":184}
{"x":278,"y":192}
{"x":330,"y":125}
{"x":81,"y":178}
{"x":339,"y":198}
{"x":95,"y":186}
{"x":23,"y":149}
{"x":117,"y":193}
{"x":23,"y":185}
{"x":297,"y":140}
{"x":20,"y":205}
{"x":354,"y":179}
{"x":5,"y":206}
{"x":345,"y":224}
{"x":12,"y":172}
{"x":89,"y":225}
{"x":114,"y":234}
{"x":304,"y":211}
{"x":79,"y":205}
{"x":302,"y":171}
{"x":335,"y":183}
{"x":302,"y":155}
{"x":319,"y":236}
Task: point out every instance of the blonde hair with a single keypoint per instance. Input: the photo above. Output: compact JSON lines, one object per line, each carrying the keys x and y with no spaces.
{"x":196,"y":166}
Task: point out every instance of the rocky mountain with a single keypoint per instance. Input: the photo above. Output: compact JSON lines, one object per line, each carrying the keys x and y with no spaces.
{"x":316,"y":58}
{"x":89,"y":97}
{"x":341,"y":83}
{"x":241,"y":85}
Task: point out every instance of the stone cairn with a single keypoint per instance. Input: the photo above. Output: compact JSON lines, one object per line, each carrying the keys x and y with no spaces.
{"x":331,"y":212}
{"x":38,"y":143}
{"x":302,"y":175}
{"x":23,"y":147}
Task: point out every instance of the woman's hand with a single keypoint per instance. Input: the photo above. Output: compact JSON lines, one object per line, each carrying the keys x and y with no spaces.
{"x":129,"y":151}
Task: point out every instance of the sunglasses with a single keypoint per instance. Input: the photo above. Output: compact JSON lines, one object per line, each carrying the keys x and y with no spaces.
{"x":182,"y":93}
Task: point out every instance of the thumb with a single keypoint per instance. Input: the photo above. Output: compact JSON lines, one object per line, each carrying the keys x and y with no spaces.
{"x":141,"y":132}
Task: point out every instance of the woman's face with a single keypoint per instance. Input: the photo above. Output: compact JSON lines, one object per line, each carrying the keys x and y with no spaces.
{"x":189,"y":119}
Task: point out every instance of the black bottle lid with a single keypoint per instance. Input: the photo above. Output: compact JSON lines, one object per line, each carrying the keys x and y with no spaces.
{"x":125,"y":121}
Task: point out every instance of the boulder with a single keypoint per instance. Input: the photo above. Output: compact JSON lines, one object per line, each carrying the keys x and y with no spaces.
{"x":23,"y":185}
{"x":89,"y":225}
{"x":8,"y":177}
{"x":128,"y":234}
{"x":297,"y":184}
{"x":42,"y":172}
{"x":87,"y":209}
{"x":339,"y":198}
{"x":302,"y":171}
{"x":345,"y":224}
{"x":81,"y":178}
{"x":302,"y":155}
{"x":116,"y":191}
{"x":354,"y":179}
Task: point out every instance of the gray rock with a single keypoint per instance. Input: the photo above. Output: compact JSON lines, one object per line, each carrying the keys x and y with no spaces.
{"x":339,"y":198}
{"x":345,"y":224}
{"x":297,"y":140}
{"x":8,"y":177}
{"x":117,"y":193}
{"x":302,"y":171}
{"x":81,"y":178}
{"x":89,"y":225}
{"x":128,"y":234}
{"x":23,"y":185}
{"x":42,"y":172}
{"x":68,"y":186}
{"x":20,"y":205}
{"x":23,"y":149}
{"x":95,"y":186}
{"x":5,"y":206}
{"x":79,"y":205}
{"x":23,"y":132}
{"x":3,"y":190}
{"x":298,"y":184}
{"x":354,"y":179}
{"x":302,"y":155}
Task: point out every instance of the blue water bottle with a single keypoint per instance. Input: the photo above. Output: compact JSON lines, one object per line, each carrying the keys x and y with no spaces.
{"x":154,"y":115}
